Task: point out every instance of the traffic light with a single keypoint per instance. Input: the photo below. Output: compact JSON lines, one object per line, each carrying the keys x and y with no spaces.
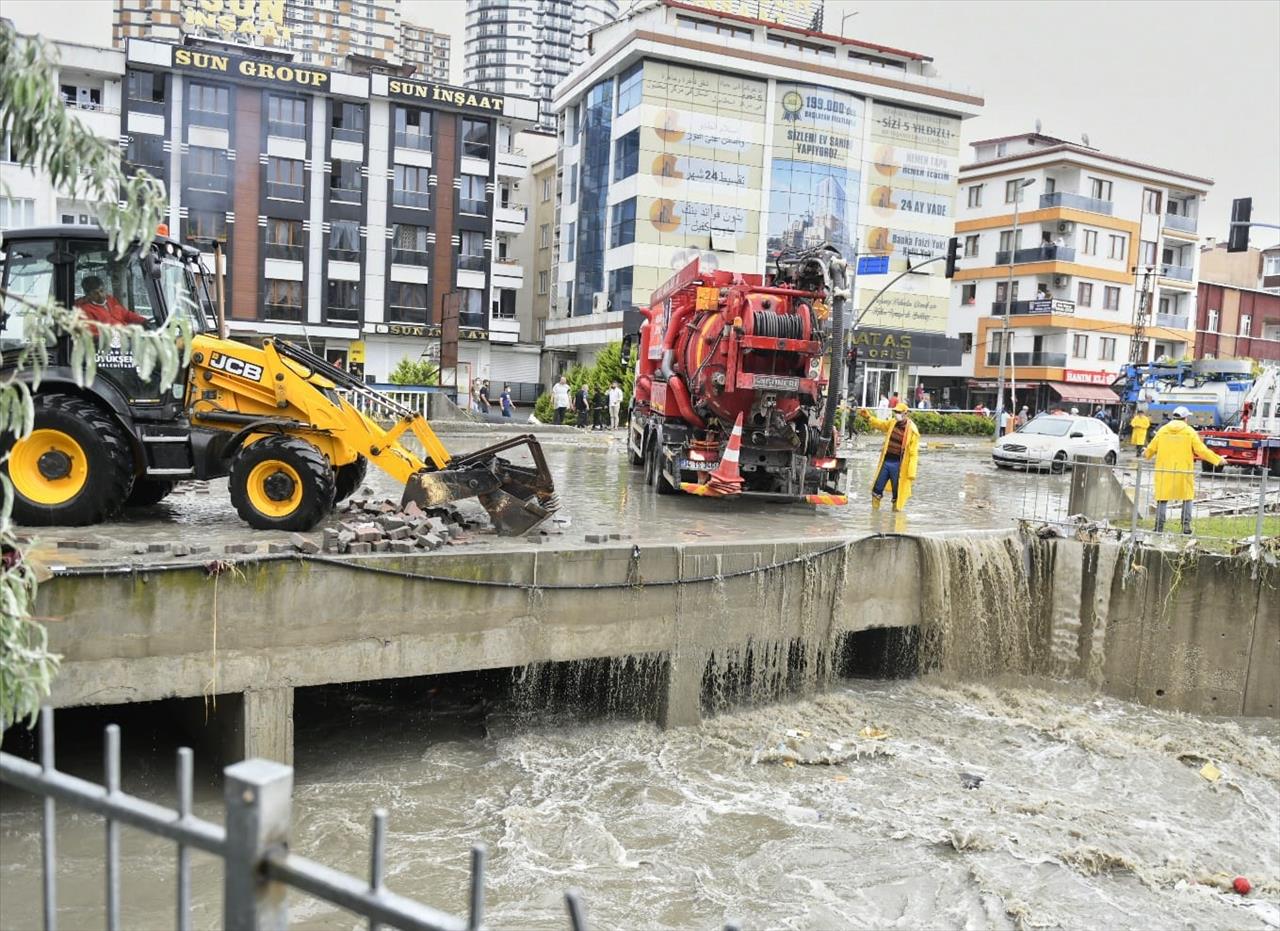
{"x":1238,"y":235}
{"x":953,"y":255}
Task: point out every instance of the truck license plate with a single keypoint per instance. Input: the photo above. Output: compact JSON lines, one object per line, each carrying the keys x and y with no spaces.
{"x":690,"y":466}
{"x":776,"y":382}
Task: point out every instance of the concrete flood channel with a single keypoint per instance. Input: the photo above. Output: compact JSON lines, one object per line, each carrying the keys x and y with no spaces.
{"x":798,"y":719}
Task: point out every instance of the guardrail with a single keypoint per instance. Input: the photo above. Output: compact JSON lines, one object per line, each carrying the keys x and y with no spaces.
{"x":1180,"y":272}
{"x":1076,"y":201}
{"x":1177,"y":221}
{"x":1042,"y":253}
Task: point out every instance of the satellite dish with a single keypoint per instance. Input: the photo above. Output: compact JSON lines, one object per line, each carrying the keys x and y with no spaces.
{"x":1037,"y":125}
{"x":1084,"y":137}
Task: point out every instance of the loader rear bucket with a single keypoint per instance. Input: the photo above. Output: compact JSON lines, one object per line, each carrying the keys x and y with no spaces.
{"x":518,"y":498}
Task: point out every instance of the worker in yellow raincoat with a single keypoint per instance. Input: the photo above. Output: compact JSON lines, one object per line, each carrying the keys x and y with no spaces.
{"x":898,"y":456}
{"x":1176,"y":447}
{"x":1139,"y":424}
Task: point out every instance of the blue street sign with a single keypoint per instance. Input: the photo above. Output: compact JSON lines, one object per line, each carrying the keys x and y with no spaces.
{"x":873,"y":265}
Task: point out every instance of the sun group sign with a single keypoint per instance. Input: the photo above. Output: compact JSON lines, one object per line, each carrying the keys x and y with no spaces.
{"x":250,"y":22}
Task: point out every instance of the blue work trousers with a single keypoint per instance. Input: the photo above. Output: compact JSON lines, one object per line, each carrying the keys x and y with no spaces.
{"x":888,"y":473}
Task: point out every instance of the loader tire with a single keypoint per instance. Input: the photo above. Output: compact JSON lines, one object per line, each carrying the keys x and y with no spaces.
{"x":75,"y":467}
{"x":281,"y":483}
{"x":148,"y":491}
{"x":349,"y":478}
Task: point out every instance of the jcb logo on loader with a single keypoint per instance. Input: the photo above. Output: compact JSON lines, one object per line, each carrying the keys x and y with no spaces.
{"x":233,"y":366}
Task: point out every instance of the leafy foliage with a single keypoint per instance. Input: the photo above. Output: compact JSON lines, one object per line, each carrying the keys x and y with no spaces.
{"x":603,"y":372}
{"x":47,"y":138}
{"x":933,"y":423}
{"x":415,"y":372}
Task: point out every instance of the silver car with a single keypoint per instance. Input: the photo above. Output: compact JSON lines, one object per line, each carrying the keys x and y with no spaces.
{"x":1053,"y":441}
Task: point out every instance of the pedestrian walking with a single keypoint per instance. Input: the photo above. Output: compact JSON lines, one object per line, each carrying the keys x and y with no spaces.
{"x":560,"y":398}
{"x":1139,"y":424}
{"x":1175,"y":448}
{"x":482,"y":397}
{"x":898,"y":456}
{"x":505,"y":398}
{"x":615,"y":405}
{"x":582,"y":407}
{"x":883,"y":409}
{"x":598,"y":406}
{"x":1005,"y":420}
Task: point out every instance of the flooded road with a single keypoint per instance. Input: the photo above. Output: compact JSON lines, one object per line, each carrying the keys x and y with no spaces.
{"x":1012,"y":804}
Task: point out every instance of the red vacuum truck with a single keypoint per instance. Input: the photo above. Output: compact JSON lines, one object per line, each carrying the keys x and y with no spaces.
{"x":734,"y":393}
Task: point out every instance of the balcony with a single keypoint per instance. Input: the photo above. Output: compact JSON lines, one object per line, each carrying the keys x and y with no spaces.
{"x":286,"y":129}
{"x":345,"y":195}
{"x":1177,"y":221}
{"x":1027,"y":359}
{"x":1075,"y":202}
{"x":344,"y":134}
{"x":1173,"y":321}
{"x":413,"y":140}
{"x":512,"y":164}
{"x":471,"y":263}
{"x":1049,"y":306}
{"x":507,"y":273}
{"x":1178,"y":272}
{"x":200,"y":181}
{"x":284,"y":250}
{"x":473,"y":206}
{"x":277,"y":190}
{"x":285,"y":313}
{"x":509,"y":219}
{"x":1042,"y":253}
{"x":418,"y":199}
{"x":410,"y":256}
{"x":472,"y":320}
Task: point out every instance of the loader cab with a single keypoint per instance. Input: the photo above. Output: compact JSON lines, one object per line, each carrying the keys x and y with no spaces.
{"x":75,"y":267}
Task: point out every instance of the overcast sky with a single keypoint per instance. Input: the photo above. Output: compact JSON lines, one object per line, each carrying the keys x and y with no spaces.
{"x":1191,"y":86}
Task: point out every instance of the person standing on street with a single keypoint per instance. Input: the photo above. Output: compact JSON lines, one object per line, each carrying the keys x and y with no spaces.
{"x":505,"y":398}
{"x":560,"y":398}
{"x":1175,"y":448}
{"x":898,"y":456}
{"x":1005,"y":420}
{"x":482,"y":397}
{"x":581,"y":406}
{"x":615,"y":405}
{"x":1139,"y":424}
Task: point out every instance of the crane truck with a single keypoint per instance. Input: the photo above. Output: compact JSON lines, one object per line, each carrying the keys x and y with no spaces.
{"x":1251,"y":439}
{"x":721,"y":353}
{"x":275,"y":418}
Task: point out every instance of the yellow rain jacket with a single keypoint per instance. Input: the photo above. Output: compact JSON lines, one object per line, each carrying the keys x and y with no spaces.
{"x":1138,"y":428}
{"x":1176,"y":447}
{"x":910,"y":456}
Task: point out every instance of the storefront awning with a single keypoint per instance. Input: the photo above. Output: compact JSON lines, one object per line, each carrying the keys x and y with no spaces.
{"x":1085,"y":394}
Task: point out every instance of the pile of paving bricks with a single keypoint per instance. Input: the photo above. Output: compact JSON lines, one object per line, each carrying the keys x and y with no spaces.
{"x":379,"y":526}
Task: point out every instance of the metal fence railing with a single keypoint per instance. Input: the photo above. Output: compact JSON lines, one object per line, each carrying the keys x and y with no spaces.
{"x":1227,"y":507}
{"x":253,"y":843}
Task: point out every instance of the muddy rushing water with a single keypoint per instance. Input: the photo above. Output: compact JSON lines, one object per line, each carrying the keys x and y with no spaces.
{"x":1087,"y":813}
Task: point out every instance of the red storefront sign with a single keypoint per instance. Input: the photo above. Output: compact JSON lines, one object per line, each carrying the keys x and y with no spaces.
{"x":1082,"y":377}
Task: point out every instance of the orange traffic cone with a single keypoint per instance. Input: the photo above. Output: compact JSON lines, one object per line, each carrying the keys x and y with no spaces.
{"x":727,"y":479}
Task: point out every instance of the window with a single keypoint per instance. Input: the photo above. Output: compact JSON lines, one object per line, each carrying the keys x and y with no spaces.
{"x":342,"y":303}
{"x":406,"y":303}
{"x":629,"y":86}
{"x":1013,"y":191}
{"x":146,"y":152}
{"x":1099,"y":189}
{"x":546,"y":189}
{"x":1009,"y":241}
{"x":6,"y":148}
{"x":1002,"y":291}
{"x":544,"y":236}
{"x":17,"y":212}
{"x":1246,"y":324}
{"x":1146,"y":252}
{"x":619,"y":288}
{"x":282,"y":300}
{"x":471,"y":313}
{"x":82,"y":98}
{"x":145,"y":87}
{"x":206,"y":169}
{"x":797,"y":45}
{"x":286,"y":116}
{"x":1212,"y":325}
{"x":413,"y":129}
{"x":575,"y":123}
{"x":346,"y":184}
{"x":1084,"y":294}
{"x":410,"y":187}
{"x":471,"y":251}
{"x":1270,"y":265}
{"x":1150,"y":201}
{"x":348,"y":121}
{"x":344,"y":240}
{"x":1090,"y":246}
{"x":622,"y":224}
{"x":970,"y":246}
{"x":626,"y":155}
{"x":975,"y":195}
{"x":1166,"y":305}
{"x":1002,"y":149}
{"x":284,"y":239}
{"x":475,"y":138}
{"x":544,"y":282}
{"x":1110,"y":298}
{"x":1107,"y":348}
{"x":966,"y":343}
{"x":205,"y":226}
{"x":571,"y":243}
{"x":284,"y":178}
{"x":969,"y":294}
{"x":409,"y":244}
{"x":573,"y":185}
{"x":208,"y":104}
{"x":471,"y":197}
{"x":1050,"y":185}
{"x":1118,"y":246}
{"x":30,"y":275}
{"x":719,"y":29}
{"x":1079,"y":345}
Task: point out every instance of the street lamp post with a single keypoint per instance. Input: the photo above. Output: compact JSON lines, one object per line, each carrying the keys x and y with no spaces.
{"x":1008,"y":301}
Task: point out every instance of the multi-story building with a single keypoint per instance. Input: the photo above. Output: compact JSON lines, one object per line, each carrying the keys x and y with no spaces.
{"x":1094,"y":232}
{"x":349,"y":206}
{"x":426,"y":50}
{"x":542,"y":228}
{"x":527,"y":48}
{"x":1238,"y":311}
{"x":778,"y":138}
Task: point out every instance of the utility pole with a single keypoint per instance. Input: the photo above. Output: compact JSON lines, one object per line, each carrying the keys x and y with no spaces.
{"x":1008,"y":301}
{"x":1137,"y":344}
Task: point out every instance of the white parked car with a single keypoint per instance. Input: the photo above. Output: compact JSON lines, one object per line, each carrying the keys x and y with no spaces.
{"x":1052,"y":441}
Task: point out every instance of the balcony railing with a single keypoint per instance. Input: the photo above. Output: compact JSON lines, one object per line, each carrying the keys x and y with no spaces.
{"x":214,"y":118}
{"x":1075,"y":201}
{"x":413,"y":140}
{"x":1173,"y":321}
{"x":476,"y":150}
{"x":410,"y":256}
{"x":472,"y":320}
{"x":470,"y":205}
{"x":1044,"y":306}
{"x":287,"y":129}
{"x":199,"y":181}
{"x":345,"y":195}
{"x":398,"y":314}
{"x":338,"y":314}
{"x":343,"y":254}
{"x":1178,"y":221}
{"x":1181,"y":272}
{"x":471,"y":263}
{"x":344,"y":134}
{"x":419,"y":199}
{"x":279,"y":191}
{"x":1041,"y":253}
{"x":290,"y":313}
{"x":1052,"y":359}
{"x":284,"y":250}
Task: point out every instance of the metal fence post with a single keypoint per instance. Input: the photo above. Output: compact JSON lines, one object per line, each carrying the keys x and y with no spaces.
{"x":259,"y":803}
{"x":1137,"y":495}
{"x":1262,"y":509}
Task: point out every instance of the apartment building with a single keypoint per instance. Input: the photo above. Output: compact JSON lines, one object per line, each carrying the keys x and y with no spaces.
{"x":1094,"y":232}
{"x":1238,"y":306}
{"x":778,"y":138}
{"x":527,"y":48}
{"x":426,"y":51}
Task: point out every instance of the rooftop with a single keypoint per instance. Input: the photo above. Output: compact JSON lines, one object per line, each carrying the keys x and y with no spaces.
{"x":1055,"y":145}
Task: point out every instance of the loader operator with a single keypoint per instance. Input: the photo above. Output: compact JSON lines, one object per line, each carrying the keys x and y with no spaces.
{"x":898,"y":456}
{"x":101,"y":307}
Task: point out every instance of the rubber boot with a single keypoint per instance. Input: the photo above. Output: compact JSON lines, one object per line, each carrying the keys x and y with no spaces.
{"x":875,"y":503}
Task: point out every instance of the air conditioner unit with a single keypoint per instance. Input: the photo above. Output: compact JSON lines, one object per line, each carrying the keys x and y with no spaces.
{"x":1059,"y":281}
{"x":599,"y":302}
{"x":1066,"y":226}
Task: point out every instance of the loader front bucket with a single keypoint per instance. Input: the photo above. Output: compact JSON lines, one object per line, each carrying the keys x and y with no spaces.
{"x":518,"y":498}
